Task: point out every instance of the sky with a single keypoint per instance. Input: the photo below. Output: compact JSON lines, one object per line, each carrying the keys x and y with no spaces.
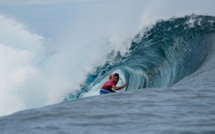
{"x":73,"y":22}
{"x":50,"y":18}
{"x":41,"y":2}
{"x":63,"y":23}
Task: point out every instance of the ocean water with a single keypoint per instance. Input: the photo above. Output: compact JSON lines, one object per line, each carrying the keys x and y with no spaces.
{"x":170,"y":67}
{"x":169,"y":64}
{"x":145,"y":111}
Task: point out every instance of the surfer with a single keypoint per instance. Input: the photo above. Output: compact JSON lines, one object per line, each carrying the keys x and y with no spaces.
{"x":113,"y":80}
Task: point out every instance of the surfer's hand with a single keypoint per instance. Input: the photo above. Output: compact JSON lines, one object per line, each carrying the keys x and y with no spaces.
{"x":126,"y":84}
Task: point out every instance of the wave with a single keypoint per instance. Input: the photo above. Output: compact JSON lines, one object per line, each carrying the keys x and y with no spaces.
{"x":159,"y":56}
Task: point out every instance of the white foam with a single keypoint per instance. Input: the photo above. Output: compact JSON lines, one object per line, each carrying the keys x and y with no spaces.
{"x":29,"y":79}
{"x":19,"y":53}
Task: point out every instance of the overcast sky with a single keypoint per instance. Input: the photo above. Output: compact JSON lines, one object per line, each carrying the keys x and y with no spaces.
{"x":41,"y":2}
{"x":51,"y":18}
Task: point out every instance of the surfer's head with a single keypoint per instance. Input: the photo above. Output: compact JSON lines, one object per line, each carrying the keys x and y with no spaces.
{"x":116,"y":77}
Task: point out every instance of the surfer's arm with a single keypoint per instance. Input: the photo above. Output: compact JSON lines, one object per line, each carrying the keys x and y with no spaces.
{"x":120,"y":87}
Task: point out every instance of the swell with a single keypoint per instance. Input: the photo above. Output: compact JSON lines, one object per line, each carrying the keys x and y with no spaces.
{"x":161,"y":56}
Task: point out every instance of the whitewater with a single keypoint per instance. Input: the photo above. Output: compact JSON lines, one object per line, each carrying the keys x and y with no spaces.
{"x":52,"y":86}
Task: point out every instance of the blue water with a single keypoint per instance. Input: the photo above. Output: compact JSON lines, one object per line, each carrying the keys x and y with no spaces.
{"x":170,"y":68}
{"x":164,"y":55}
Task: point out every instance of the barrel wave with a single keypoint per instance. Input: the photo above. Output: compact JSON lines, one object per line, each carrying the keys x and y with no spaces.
{"x":159,"y":56}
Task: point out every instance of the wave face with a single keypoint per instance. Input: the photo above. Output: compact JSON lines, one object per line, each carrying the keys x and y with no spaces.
{"x":159,"y":56}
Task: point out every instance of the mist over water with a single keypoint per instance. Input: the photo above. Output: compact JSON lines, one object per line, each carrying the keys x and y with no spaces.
{"x":37,"y":71}
{"x":30,"y":78}
{"x":40,"y":69}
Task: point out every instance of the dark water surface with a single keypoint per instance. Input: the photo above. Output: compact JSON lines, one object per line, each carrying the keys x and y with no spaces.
{"x":145,"y":111}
